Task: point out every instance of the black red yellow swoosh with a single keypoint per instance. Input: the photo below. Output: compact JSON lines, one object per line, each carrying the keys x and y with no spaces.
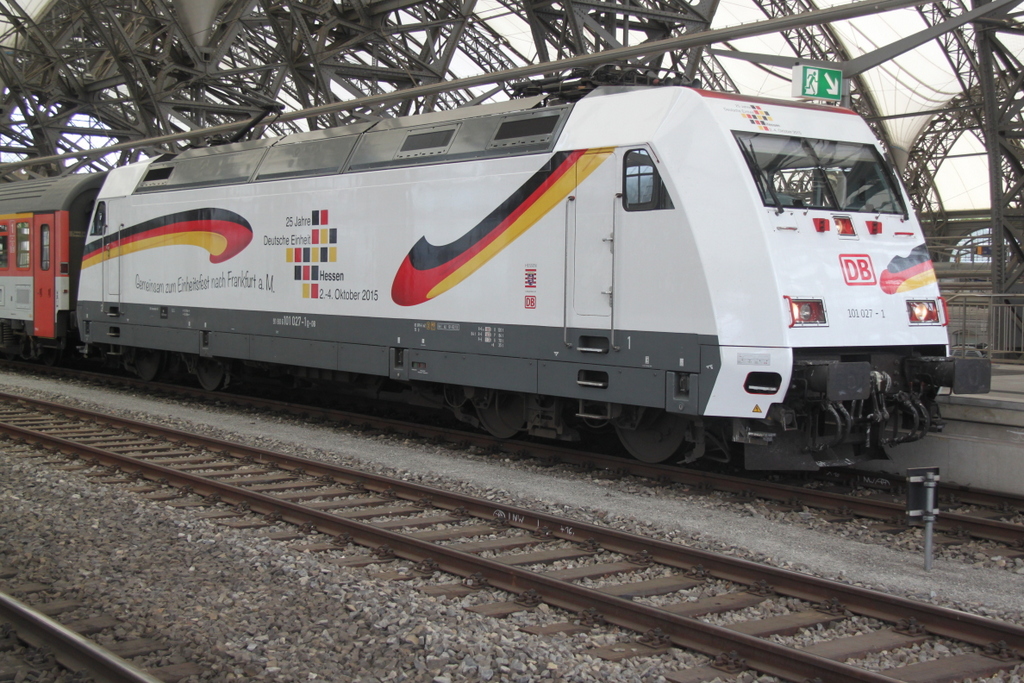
{"x":221,"y":232}
{"x":430,"y":270}
{"x":906,"y":273}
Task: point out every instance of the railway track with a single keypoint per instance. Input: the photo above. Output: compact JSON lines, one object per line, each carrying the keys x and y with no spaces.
{"x":601,"y":574}
{"x":51,"y":645}
{"x":966,"y":513}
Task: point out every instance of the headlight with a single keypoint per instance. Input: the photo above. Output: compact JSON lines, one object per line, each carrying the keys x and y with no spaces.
{"x":923,"y":312}
{"x":807,"y":312}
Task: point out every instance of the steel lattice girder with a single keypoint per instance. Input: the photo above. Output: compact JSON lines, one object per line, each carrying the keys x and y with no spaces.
{"x":141,"y":76}
{"x":990,"y":76}
{"x":961,"y":115}
{"x":1002,"y":79}
{"x":89,"y":72}
{"x":86,"y":73}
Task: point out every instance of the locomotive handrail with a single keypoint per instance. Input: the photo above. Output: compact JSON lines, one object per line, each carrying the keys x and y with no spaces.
{"x":565,"y":273}
{"x":611,"y":288}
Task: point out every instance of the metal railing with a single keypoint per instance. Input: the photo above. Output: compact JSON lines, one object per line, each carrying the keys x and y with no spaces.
{"x":988,"y":325}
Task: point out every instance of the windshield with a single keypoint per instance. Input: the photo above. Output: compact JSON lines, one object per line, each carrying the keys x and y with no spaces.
{"x":819,"y":174}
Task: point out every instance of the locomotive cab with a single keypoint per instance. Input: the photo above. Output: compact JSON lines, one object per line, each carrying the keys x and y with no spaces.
{"x":861,"y":308}
{"x":790,"y":257}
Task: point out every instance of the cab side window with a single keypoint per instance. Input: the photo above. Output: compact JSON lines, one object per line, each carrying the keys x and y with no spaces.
{"x":22,"y":244}
{"x":642,"y":187}
{"x":99,"y":219}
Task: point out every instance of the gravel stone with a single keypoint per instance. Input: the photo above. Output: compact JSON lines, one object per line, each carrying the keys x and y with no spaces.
{"x":249,"y":608}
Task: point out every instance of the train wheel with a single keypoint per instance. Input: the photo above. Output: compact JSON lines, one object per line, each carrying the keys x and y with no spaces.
{"x":49,"y":356}
{"x":656,"y":439}
{"x":210,"y":373}
{"x":504,"y":416}
{"x":148,"y":364}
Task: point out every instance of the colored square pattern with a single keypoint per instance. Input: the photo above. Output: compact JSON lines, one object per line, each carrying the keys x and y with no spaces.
{"x":758,"y":117}
{"x":324,"y":250}
{"x":531,"y":278}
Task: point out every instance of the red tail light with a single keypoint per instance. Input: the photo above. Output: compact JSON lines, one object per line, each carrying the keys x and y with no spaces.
{"x":923,"y":312}
{"x":806,"y":312}
{"x":822,"y":224}
{"x":874,"y":227}
{"x":844,"y":226}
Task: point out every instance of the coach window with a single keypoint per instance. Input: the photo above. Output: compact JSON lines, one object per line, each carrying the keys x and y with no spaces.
{"x":99,"y":219}
{"x":3,"y":251}
{"x":21,"y":244}
{"x":642,"y":187}
{"x":44,"y":247}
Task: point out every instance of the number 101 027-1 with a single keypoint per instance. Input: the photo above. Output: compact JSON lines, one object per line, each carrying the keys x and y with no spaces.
{"x":864,"y":313}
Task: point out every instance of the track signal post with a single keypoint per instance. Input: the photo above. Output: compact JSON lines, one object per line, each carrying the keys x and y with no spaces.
{"x":921,"y":483}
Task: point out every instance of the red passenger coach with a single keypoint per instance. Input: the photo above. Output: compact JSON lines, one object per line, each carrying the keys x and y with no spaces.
{"x":42,"y":229}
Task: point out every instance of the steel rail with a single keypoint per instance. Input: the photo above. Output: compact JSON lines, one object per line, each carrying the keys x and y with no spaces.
{"x":978,"y":527}
{"x":69,"y":648}
{"x":938,"y":620}
{"x":987,"y":529}
{"x":959,"y":494}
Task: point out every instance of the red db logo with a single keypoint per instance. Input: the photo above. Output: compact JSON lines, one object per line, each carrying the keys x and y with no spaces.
{"x":857,"y":269}
{"x":531,"y":302}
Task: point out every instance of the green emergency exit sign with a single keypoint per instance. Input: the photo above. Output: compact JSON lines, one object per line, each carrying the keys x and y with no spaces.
{"x":817,"y":83}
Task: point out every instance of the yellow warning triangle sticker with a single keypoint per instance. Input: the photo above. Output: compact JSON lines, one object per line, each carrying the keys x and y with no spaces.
{"x":757,"y":408}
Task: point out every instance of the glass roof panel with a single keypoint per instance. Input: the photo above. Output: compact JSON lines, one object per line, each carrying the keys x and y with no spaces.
{"x":963,"y":176}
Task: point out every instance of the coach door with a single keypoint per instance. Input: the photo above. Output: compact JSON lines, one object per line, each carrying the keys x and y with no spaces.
{"x":44,"y":309}
{"x":593,"y":243}
{"x":23,"y":267}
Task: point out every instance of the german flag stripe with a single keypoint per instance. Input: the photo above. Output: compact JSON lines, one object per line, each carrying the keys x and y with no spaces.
{"x":913,"y":282}
{"x":906,"y":273}
{"x":429,"y":270}
{"x":221,"y":232}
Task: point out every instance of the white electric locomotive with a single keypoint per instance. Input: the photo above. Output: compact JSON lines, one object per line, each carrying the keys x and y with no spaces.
{"x":698,"y":270}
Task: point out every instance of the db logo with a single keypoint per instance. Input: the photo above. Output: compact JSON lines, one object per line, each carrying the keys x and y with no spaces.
{"x":531,"y":302}
{"x":857,"y":269}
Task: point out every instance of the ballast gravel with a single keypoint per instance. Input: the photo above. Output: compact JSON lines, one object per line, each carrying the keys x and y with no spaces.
{"x":245,"y":607}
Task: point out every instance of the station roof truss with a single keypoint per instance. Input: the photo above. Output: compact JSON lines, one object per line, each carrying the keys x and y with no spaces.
{"x":91,"y":84}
